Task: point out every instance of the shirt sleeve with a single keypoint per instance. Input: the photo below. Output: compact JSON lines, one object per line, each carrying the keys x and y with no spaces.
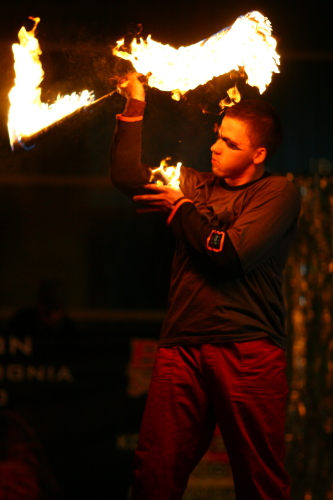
{"x":261,"y":230}
{"x":213,"y":245}
{"x":267,"y":224}
{"x":127,"y":173}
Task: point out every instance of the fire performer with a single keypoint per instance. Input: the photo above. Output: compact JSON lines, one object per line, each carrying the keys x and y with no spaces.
{"x":221,"y":353}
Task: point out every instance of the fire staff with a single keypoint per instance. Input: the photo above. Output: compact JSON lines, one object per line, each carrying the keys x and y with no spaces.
{"x":221,"y":353}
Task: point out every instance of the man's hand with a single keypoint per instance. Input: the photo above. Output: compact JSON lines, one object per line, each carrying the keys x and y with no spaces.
{"x":130,"y":86}
{"x":162,"y":199}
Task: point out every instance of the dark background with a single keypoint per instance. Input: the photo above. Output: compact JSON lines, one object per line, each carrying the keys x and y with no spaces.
{"x":60,"y":217}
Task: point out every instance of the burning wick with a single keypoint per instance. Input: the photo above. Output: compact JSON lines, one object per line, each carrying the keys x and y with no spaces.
{"x":165,"y":174}
{"x":247,"y":45}
{"x":28,"y":114}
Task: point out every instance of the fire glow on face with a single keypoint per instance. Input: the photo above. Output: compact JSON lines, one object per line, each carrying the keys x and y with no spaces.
{"x":247,"y":45}
{"x":28,"y":114}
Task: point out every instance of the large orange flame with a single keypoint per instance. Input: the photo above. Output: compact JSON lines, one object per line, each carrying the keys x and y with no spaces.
{"x":247,"y":44}
{"x":28,"y":114}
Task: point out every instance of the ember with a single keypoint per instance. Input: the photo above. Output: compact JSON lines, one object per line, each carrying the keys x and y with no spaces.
{"x":246,"y":45}
{"x":28,"y":114}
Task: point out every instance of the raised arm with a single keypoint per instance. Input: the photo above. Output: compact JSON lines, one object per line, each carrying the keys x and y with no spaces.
{"x":127,"y":173}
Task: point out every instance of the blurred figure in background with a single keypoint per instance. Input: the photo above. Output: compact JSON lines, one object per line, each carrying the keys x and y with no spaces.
{"x":48,"y":315}
{"x":24,"y":471}
{"x":41,"y":363}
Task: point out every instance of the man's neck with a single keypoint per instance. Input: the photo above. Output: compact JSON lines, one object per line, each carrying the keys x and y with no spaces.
{"x":252,"y":174}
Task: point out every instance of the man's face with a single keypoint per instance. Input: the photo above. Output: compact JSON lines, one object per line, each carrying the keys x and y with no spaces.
{"x":233,"y":156}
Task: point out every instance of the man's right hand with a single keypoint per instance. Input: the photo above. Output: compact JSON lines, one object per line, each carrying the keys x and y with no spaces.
{"x":130,"y":86}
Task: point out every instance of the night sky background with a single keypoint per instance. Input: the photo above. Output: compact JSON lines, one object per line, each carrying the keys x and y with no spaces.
{"x":76,"y":42}
{"x":61,"y":219}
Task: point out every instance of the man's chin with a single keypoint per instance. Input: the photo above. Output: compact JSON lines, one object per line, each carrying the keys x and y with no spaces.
{"x":216,"y":171}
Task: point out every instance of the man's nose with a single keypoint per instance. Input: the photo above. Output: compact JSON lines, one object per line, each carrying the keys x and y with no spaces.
{"x":216,"y":148}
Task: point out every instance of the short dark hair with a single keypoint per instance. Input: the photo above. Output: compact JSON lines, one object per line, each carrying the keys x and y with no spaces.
{"x":265,"y":129}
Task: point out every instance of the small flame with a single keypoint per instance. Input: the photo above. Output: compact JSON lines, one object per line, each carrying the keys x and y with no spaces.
{"x":167,"y":175}
{"x":246,"y":45}
{"x":27,"y":114}
{"x":233,"y":97}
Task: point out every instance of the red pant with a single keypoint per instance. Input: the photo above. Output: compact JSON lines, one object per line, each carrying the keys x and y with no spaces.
{"x":242,"y":387}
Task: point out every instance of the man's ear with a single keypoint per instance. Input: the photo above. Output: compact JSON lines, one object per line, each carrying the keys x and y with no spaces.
{"x":259,"y":155}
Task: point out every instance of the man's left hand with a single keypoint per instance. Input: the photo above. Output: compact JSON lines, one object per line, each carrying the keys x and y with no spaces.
{"x":162,"y":199}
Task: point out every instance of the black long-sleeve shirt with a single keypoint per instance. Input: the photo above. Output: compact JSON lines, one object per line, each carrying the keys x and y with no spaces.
{"x":232,"y":246}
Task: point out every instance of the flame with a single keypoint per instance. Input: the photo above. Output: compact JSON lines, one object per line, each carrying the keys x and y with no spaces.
{"x":233,"y":97}
{"x":27,"y":114}
{"x":246,"y":45}
{"x":167,"y":175}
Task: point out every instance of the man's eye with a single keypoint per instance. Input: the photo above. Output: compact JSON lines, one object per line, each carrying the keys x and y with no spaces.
{"x":231,"y":145}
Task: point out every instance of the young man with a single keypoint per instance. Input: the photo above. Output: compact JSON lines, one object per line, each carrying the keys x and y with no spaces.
{"x":221,"y":353}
